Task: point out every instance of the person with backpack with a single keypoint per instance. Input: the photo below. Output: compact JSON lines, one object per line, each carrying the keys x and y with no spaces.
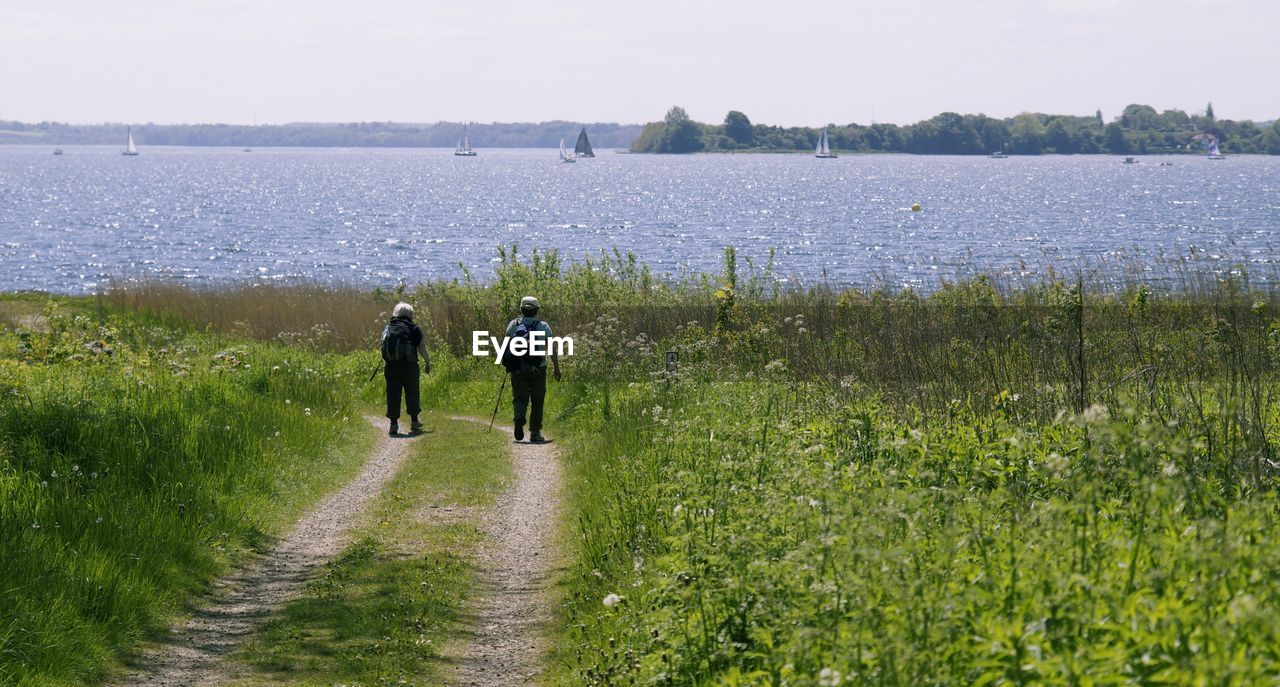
{"x":402,"y":345}
{"x":529,"y":372}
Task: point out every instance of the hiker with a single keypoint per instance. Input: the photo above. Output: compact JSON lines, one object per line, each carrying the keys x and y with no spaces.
{"x":529,"y":372}
{"x":401,"y":347}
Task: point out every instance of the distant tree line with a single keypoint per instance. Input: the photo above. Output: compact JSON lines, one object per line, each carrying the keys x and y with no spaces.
{"x":359,"y":134}
{"x":1138,"y":130}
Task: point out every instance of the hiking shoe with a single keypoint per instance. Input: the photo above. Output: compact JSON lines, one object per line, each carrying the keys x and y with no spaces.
{"x":537,"y":438}
{"x":519,"y":432}
{"x":416,"y":428}
{"x":395,"y":428}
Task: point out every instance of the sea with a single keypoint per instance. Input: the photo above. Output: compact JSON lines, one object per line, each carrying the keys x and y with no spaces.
{"x":79,"y":222}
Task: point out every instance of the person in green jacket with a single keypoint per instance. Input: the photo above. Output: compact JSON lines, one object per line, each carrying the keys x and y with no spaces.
{"x":529,"y":382}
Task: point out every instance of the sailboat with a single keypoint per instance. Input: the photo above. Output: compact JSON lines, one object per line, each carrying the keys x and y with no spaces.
{"x":565,"y":157}
{"x":583,"y":146}
{"x":464,"y":145}
{"x":824,"y":146}
{"x":129,"y":148}
{"x":1214,"y":153}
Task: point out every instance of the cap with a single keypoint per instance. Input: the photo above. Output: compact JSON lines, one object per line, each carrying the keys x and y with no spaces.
{"x":528,"y":303}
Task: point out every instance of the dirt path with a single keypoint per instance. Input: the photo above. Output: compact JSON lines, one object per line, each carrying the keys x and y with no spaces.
{"x":194,"y":654}
{"x":512,"y":606}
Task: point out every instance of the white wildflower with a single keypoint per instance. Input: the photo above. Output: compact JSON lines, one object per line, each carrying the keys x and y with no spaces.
{"x":1168,"y":469}
{"x":679,"y":508}
{"x":1095,"y":414}
{"x":612,"y":600}
{"x":829,"y":677}
{"x":288,"y":402}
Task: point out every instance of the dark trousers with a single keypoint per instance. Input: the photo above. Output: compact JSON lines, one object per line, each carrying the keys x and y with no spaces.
{"x":529,"y":387}
{"x":400,"y":378}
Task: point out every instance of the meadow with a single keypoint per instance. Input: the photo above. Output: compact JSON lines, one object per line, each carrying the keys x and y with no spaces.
{"x":137,"y":462}
{"x":1070,"y":482}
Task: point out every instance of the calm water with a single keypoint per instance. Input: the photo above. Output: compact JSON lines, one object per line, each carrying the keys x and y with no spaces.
{"x":67,"y":223}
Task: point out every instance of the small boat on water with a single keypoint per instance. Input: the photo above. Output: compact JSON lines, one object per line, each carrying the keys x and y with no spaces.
{"x":57,"y":151}
{"x":583,"y":147}
{"x":1129,"y":161}
{"x":1213,"y":152}
{"x":129,"y":148}
{"x":998,"y":155}
{"x":824,"y":146}
{"x":564,"y":156}
{"x":464,"y":145}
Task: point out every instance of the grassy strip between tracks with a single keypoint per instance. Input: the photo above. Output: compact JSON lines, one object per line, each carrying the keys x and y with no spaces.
{"x":380,"y":613}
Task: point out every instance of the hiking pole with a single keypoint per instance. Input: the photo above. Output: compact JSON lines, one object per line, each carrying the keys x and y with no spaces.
{"x":498,"y":402}
{"x":375,"y":371}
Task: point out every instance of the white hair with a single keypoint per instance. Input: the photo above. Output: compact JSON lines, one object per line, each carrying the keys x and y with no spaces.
{"x":403,"y":310}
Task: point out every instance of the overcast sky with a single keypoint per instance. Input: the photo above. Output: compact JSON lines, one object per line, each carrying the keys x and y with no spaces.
{"x":798,"y":62}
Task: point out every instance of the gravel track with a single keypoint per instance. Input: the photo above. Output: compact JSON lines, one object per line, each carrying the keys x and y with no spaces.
{"x":505,"y":642}
{"x":195,"y":653}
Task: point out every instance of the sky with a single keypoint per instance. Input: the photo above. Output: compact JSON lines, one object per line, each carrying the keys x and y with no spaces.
{"x":802,"y":62}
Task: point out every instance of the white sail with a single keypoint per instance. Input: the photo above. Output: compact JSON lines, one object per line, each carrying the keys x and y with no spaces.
{"x":464,"y":144}
{"x":129,"y":147}
{"x":564,"y":156}
{"x":824,"y":146}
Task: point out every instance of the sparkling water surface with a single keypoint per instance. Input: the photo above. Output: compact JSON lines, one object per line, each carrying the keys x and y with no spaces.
{"x":71,"y":223}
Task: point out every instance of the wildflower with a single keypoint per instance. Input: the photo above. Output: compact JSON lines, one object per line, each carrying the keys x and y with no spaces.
{"x":226,"y":428}
{"x":1168,"y":469}
{"x":53,"y":475}
{"x":277,"y":432}
{"x":75,"y":468}
{"x":35,"y":525}
{"x":829,"y":677}
{"x":99,"y":519}
{"x":1095,"y":414}
{"x":675,"y":512}
{"x":612,"y":600}
{"x":306,"y":411}
{"x":344,"y":418}
{"x":288,"y":402}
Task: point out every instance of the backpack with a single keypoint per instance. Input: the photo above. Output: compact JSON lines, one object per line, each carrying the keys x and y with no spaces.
{"x":521,"y":362}
{"x":397,"y":344}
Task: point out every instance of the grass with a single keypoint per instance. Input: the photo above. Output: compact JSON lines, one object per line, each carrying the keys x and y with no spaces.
{"x":382,"y":611}
{"x":137,"y":462}
{"x":1061,"y":482}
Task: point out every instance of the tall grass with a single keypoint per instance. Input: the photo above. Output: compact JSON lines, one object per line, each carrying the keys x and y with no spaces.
{"x":136,"y":462}
{"x":1062,"y":481}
